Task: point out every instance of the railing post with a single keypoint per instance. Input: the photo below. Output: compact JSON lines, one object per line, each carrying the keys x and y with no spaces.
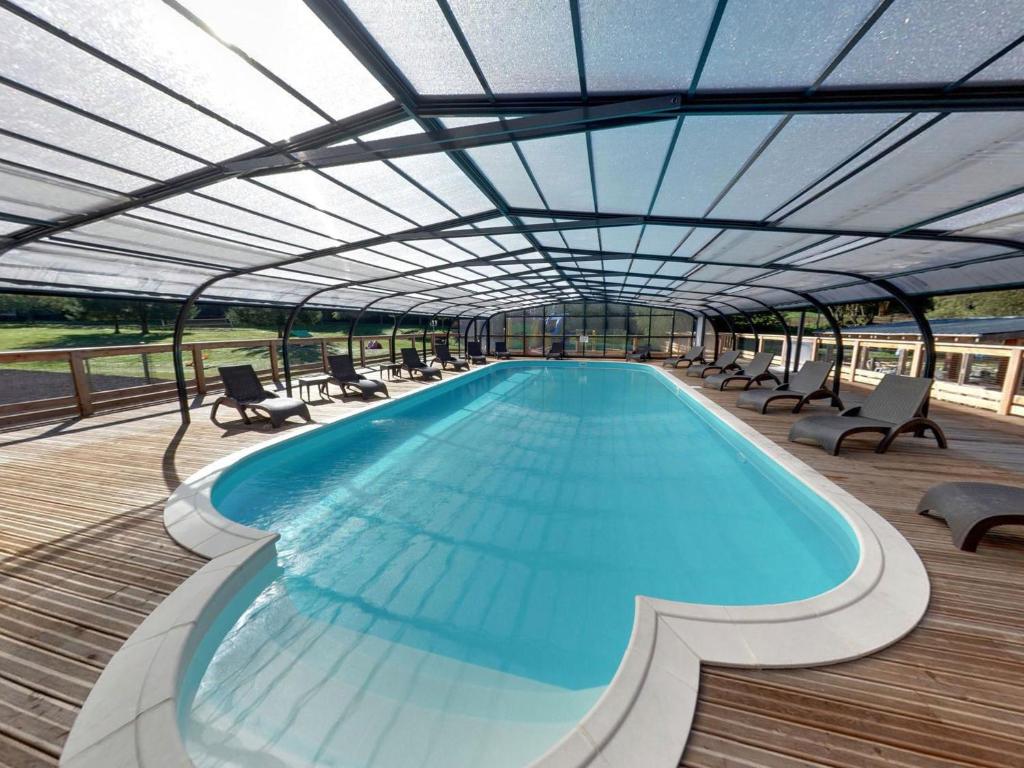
{"x":197,"y":369}
{"x":362,"y":352}
{"x":1011,"y":381}
{"x":275,"y":370}
{"x":80,"y":380}
{"x":918,"y":361}
{"x":854,"y":358}
{"x":323,"y":354}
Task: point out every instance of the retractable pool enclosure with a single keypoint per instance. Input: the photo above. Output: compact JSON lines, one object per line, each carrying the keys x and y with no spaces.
{"x":461,"y":159}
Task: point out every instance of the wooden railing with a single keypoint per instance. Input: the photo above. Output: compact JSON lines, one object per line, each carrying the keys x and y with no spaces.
{"x":47,"y":384}
{"x":867,"y":360}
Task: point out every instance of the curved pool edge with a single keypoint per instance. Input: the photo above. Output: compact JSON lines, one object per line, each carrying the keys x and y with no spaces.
{"x":131,"y":715}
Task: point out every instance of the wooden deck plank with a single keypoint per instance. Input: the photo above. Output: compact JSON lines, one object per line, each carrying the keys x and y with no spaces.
{"x":84,"y":558}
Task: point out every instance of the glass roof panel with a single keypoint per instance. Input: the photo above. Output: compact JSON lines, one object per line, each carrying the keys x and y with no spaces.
{"x":924,"y":41}
{"x":383,"y":184}
{"x":1008,"y":68}
{"x":322,"y":193}
{"x":189,"y":224}
{"x":623,"y":239}
{"x":627,"y":163}
{"x":806,"y":149}
{"x":644,"y":44}
{"x":754,"y":247}
{"x":519,"y":52}
{"x":708,"y":153}
{"x":415,"y":34}
{"x":780,"y":44}
{"x":259,"y":28}
{"x":662,"y":240}
{"x":438,"y":173}
{"x":52,"y":198}
{"x":503,"y":169}
{"x":39,"y":120}
{"x":33,"y":155}
{"x":963,"y":159}
{"x":562,"y":171}
{"x":151,"y":37}
{"x":44,"y":62}
{"x":1007,"y":273}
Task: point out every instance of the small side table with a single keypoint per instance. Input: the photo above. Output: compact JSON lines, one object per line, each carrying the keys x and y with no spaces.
{"x":318,"y":380}
{"x":391,"y":368}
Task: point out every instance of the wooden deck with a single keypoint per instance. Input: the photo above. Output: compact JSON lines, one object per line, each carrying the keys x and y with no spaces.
{"x":84,"y":558}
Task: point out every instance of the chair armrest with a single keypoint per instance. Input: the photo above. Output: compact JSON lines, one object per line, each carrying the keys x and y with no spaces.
{"x":853,"y":410}
{"x":268,"y":393}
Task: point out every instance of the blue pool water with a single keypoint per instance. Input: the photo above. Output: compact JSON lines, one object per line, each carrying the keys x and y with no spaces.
{"x":458,"y":569}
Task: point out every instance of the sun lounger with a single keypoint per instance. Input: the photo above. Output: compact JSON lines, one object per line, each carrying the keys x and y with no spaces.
{"x":806,"y":385}
{"x":693,"y":355}
{"x":894,"y":407}
{"x":971,"y":509}
{"x":244,"y":392}
{"x":501,"y":351}
{"x":343,"y":373}
{"x":754,"y":372}
{"x":557,"y":351}
{"x":412,"y":363}
{"x":725,"y":362}
{"x":443,"y":355}
{"x":476,"y":353}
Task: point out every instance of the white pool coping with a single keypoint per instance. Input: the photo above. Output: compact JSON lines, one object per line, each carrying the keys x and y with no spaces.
{"x":130,"y":717}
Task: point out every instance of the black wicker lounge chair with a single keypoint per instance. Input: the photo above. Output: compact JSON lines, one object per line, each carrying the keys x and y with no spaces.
{"x":412,"y":363}
{"x":343,"y":373}
{"x":501,"y":351}
{"x":806,"y":385}
{"x":643,"y":352}
{"x":754,"y":372}
{"x":476,"y":353}
{"x":725,"y":362}
{"x":244,"y":392}
{"x":557,"y":351}
{"x":894,"y":407}
{"x":443,"y":355}
{"x":693,"y":355}
{"x":971,"y":509}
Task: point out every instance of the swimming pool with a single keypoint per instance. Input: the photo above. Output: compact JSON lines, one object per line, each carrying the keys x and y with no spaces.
{"x":458,"y":569}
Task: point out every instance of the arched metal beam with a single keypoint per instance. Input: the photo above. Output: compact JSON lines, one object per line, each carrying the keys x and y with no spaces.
{"x":838,"y":336}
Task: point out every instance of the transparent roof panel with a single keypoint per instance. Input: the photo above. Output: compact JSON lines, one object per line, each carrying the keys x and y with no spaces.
{"x":963,"y":159}
{"x":438,"y":173}
{"x":708,"y":154}
{"x":383,"y":184}
{"x":151,"y":37}
{"x":505,"y":171}
{"x":780,"y":44}
{"x":259,"y":27}
{"x":1008,"y":68}
{"x":627,"y":164}
{"x":35,"y":156}
{"x":647,"y":45}
{"x":415,"y":34}
{"x":46,"y":63}
{"x":562,"y":171}
{"x":45,"y":122}
{"x":809,"y":147}
{"x":923,"y":41}
{"x":188,"y":224}
{"x":48,"y":195}
{"x":519,"y":52}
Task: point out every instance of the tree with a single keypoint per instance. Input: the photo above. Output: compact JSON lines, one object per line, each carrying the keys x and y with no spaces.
{"x":987,"y":304}
{"x":270,"y":317}
{"x":30,"y":307}
{"x":113,"y":311}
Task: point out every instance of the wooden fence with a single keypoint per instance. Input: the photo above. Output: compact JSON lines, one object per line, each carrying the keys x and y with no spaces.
{"x":47,"y":384}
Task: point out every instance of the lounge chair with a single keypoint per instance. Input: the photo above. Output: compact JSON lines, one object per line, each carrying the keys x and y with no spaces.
{"x":725,"y":362}
{"x":754,"y":372}
{"x":643,"y":352}
{"x":971,"y":509}
{"x":557,"y":351}
{"x":476,"y":353}
{"x":501,"y":351}
{"x":244,"y":392}
{"x":806,"y":385}
{"x":443,"y":355}
{"x":343,"y":373}
{"x":894,"y":407}
{"x":694,"y":355}
{"x":412,"y":363}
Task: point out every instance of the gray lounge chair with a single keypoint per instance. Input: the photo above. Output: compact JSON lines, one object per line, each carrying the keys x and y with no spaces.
{"x":557,"y":351}
{"x":971,"y":509}
{"x":476,"y":353}
{"x":343,"y":373}
{"x":894,"y":407}
{"x":806,"y":385}
{"x":693,"y":355}
{"x":443,"y":355}
{"x":244,"y":392}
{"x":725,"y":362}
{"x":412,"y":363}
{"x":501,"y":351}
{"x":643,"y":352}
{"x":754,"y":372}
